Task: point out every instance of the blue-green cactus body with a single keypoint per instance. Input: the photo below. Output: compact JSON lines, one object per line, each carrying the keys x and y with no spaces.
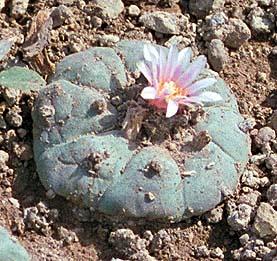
{"x":10,"y":249}
{"x":21,"y":78}
{"x":69,"y":130}
{"x":129,"y":195}
{"x":97,"y":67}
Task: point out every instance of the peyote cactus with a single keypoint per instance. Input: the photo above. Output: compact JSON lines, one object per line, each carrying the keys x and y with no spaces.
{"x":82,"y":154}
{"x":10,"y":249}
{"x":22,"y":79}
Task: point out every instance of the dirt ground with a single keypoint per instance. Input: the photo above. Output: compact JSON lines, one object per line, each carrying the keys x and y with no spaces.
{"x":66,"y":236}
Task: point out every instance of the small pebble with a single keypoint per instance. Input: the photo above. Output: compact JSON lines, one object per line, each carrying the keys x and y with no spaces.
{"x":133,"y":10}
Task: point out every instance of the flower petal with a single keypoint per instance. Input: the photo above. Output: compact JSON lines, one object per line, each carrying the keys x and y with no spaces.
{"x":209,"y":97}
{"x":145,"y":70}
{"x":189,"y":100}
{"x":171,"y":62}
{"x":172,"y":108}
{"x":162,"y":64}
{"x":201,"y":84}
{"x":150,"y":53}
{"x":192,"y":71}
{"x":149,"y":93}
{"x":155,"y":74}
{"x":184,"y":57}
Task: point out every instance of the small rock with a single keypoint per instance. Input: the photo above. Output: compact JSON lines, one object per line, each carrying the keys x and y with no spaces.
{"x":126,"y":242}
{"x":4,"y":157}
{"x":160,"y":239}
{"x":2,"y":5}
{"x":133,"y":10}
{"x":250,"y":178}
{"x":273,"y":65}
{"x":240,"y":218}
{"x":248,"y":254}
{"x":250,"y":198}
{"x":265,"y":224}
{"x":258,"y":159}
{"x":215,"y":215}
{"x":75,"y":47}
{"x":3,"y":124}
{"x":273,"y":118}
{"x":265,"y":3}
{"x":237,"y":33}
{"x":66,"y":2}
{"x":217,"y":55}
{"x":261,"y":22}
{"x":108,"y":39}
{"x":272,"y":195}
{"x":143,"y":256}
{"x":174,"y":40}
{"x":264,"y":181}
{"x":247,"y":125}
{"x":217,"y":253}
{"x":14,"y":119}
{"x":21,"y":132}
{"x":149,"y":196}
{"x":11,"y":96}
{"x":5,"y":46}
{"x":214,"y":26}
{"x":244,"y":239}
{"x":261,"y":77}
{"x":19,"y":8}
{"x":40,"y":218}
{"x":108,"y":9}
{"x":162,"y":22}
{"x":68,"y":237}
{"x":203,"y":9}
{"x":271,"y":161}
{"x":237,"y":12}
{"x":14,"y":202}
{"x":60,"y":14}
{"x":23,"y":151}
{"x":201,"y":251}
{"x":96,"y":22}
{"x":264,"y":137}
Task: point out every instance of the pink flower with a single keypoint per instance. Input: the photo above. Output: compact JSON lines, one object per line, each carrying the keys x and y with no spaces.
{"x":172,"y":79}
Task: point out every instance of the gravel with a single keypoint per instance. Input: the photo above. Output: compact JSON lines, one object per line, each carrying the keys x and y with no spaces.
{"x":264,"y":138}
{"x":4,"y":157}
{"x":237,"y":33}
{"x":215,"y":215}
{"x":5,"y":46}
{"x":202,"y":251}
{"x":206,"y":6}
{"x":265,"y":223}
{"x":239,"y":219}
{"x":19,"y":7}
{"x":128,"y":244}
{"x":133,"y":10}
{"x":272,"y":195}
{"x":261,"y":21}
{"x":2,"y":5}
{"x":250,"y":198}
{"x":233,"y":32}
{"x":217,"y":55}
{"x":108,"y":9}
{"x":164,"y":22}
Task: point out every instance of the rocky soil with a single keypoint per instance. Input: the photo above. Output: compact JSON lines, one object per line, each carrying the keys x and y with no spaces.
{"x":240,"y":40}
